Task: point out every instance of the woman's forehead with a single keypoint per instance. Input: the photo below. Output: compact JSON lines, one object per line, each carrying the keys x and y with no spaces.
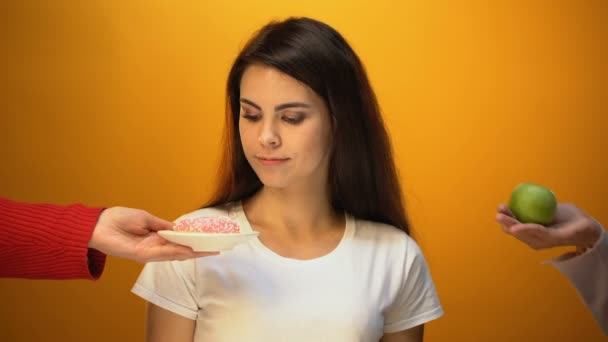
{"x":268,"y":84}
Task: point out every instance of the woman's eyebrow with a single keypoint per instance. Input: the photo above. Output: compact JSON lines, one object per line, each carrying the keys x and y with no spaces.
{"x":251,"y":103}
{"x":279,"y":107}
{"x":291,"y":105}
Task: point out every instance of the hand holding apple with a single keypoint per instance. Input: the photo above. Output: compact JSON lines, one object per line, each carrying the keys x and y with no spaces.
{"x":570,"y":227}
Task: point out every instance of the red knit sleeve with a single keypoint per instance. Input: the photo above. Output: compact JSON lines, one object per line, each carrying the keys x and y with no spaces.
{"x":46,"y":241}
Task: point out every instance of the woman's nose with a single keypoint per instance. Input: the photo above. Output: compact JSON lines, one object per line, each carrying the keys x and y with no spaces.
{"x":269,"y":136}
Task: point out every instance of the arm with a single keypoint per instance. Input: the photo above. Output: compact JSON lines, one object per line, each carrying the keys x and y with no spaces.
{"x":415,"y":302}
{"x":414,"y":334}
{"x":586,"y":269}
{"x":164,"y":325}
{"x":588,"y":273}
{"x":45,"y":241}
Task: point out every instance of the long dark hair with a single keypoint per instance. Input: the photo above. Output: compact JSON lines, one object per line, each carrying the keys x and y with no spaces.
{"x":362,"y":175}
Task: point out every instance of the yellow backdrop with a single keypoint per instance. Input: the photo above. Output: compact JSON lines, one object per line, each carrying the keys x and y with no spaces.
{"x":121,"y":103}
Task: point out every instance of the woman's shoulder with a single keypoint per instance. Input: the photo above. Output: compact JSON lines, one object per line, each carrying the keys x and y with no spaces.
{"x":383,"y":233}
{"x":381,"y":239}
{"x":379,"y":229}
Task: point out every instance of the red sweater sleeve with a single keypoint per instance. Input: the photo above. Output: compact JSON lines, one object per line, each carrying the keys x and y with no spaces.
{"x":46,"y":241}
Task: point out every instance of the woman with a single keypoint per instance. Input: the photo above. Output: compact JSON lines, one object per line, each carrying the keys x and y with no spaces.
{"x":307,"y":164}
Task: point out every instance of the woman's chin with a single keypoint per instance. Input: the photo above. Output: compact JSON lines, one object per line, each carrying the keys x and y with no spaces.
{"x":274,"y":184}
{"x":272,"y":181}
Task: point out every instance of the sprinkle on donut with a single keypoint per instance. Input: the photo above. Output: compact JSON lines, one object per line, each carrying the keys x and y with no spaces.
{"x":211,"y":225}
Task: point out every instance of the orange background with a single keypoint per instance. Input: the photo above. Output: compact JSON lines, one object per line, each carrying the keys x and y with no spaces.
{"x":121,"y":103}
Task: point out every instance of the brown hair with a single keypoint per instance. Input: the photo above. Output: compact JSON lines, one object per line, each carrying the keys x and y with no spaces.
{"x":362,"y":175}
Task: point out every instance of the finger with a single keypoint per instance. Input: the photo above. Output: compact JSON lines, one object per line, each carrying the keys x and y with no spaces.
{"x":524,"y":236}
{"x":155,"y":224}
{"x":528,"y":237}
{"x":504,"y":209}
{"x":171,"y":251}
{"x":529,"y":228}
{"x":194,"y":255}
{"x":506,"y":220}
{"x":535,"y":235}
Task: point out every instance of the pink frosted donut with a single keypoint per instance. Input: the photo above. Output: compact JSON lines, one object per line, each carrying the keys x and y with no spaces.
{"x":212,"y":225}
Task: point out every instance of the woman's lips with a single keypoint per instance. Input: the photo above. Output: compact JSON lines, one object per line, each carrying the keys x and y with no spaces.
{"x":271,"y":161}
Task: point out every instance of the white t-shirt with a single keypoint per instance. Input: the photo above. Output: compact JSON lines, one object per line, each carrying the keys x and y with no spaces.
{"x":375,"y":281}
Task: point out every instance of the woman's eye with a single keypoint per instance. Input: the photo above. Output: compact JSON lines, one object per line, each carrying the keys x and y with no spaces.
{"x":251,"y":117}
{"x":293,"y":119}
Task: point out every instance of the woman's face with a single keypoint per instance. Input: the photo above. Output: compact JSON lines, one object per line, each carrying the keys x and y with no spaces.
{"x":285,"y":129}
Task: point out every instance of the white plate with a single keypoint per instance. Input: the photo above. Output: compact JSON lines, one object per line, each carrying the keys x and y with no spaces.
{"x":206,"y":242}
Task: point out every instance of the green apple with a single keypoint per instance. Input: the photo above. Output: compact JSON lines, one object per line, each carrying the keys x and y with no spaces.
{"x":532,"y":203}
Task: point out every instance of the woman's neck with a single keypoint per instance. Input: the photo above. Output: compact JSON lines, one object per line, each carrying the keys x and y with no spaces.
{"x":295,"y":213}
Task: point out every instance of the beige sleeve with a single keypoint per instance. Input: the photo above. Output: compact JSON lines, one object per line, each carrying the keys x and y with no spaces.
{"x":588,"y":273}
